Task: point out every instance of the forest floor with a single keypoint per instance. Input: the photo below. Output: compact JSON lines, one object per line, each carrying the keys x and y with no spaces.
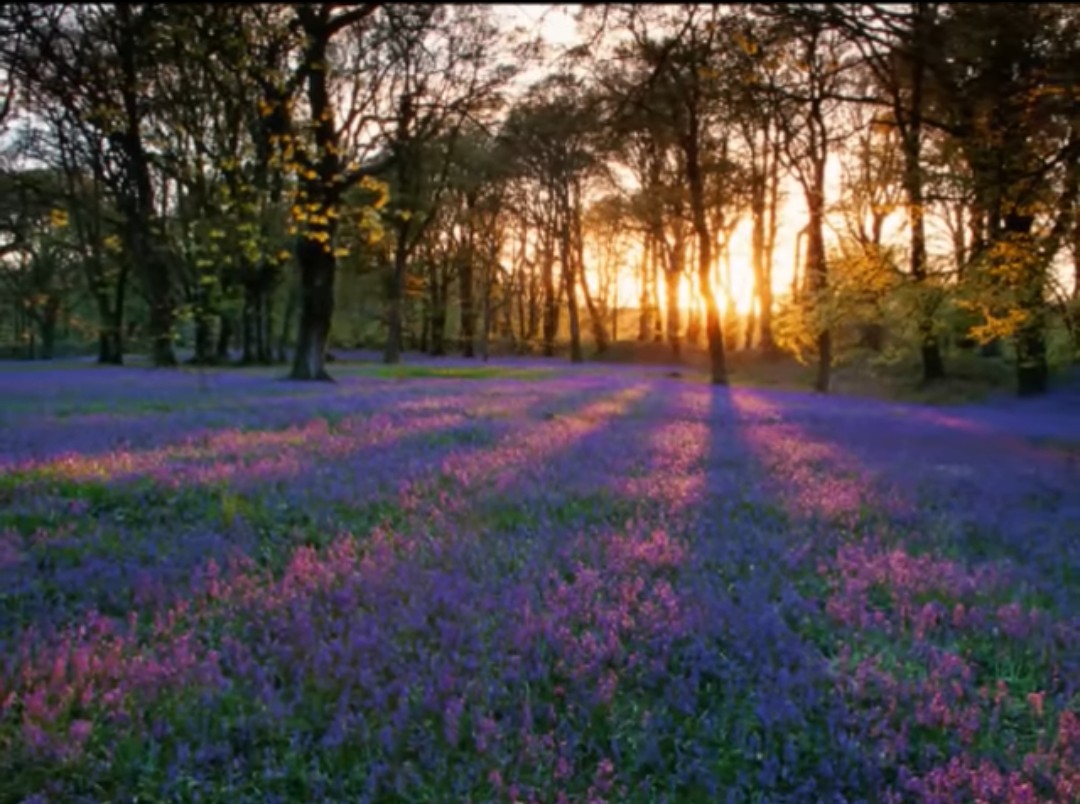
{"x":530,"y":581}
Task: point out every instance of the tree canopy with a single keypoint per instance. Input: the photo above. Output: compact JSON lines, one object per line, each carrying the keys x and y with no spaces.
{"x":836,"y":182}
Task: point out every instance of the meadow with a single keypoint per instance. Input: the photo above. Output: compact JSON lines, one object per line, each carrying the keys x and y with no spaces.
{"x":542,"y":584}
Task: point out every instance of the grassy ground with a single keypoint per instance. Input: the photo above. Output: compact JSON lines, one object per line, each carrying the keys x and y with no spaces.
{"x":451,"y":582}
{"x":971,"y":378}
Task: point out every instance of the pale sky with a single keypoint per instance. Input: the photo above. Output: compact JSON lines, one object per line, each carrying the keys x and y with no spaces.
{"x":555,"y":22}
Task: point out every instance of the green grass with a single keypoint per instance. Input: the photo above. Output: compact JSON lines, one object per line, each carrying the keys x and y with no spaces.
{"x":405,"y":372}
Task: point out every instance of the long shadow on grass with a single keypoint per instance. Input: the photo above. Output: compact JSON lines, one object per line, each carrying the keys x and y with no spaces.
{"x":282,"y":429}
{"x":393,"y":579}
{"x":145,"y":539}
{"x":916,"y":640}
{"x":37,"y":441}
{"x":973,"y":494}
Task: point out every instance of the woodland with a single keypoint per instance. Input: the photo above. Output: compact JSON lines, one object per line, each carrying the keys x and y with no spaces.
{"x":461,"y":403}
{"x":866,"y":184}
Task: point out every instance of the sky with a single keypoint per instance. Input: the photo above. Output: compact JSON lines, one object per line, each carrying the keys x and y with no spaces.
{"x":555,"y":23}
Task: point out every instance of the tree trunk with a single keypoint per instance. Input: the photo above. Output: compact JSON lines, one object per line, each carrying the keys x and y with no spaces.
{"x":424,"y":342}
{"x":751,"y":326}
{"x":911,"y":145}
{"x":596,"y":315}
{"x":615,"y":311}
{"x":657,"y":319}
{"x":693,"y":313}
{"x":765,"y":291}
{"x":162,"y":318}
{"x":292,"y":302}
{"x":731,"y":324}
{"x":110,"y":329}
{"x":441,"y":310}
{"x":315,"y":247}
{"x":47,"y":325}
{"x":1032,"y":368}
{"x":671,"y":286}
{"x":645,"y":302}
{"x":139,"y":202}
{"x":817,"y":276}
{"x":570,"y":283}
{"x":521,"y":300}
{"x":468,"y":313}
{"x":534,"y":308}
{"x":247,"y":326}
{"x":108,"y":347}
{"x":713,"y":332}
{"x":395,"y":297}
{"x":264,"y":325}
{"x":204,"y":352}
{"x":757,"y":254}
{"x":224,"y":339}
{"x":551,"y":298}
{"x":317,"y":269}
{"x":437,"y":310}
{"x":485,"y":313}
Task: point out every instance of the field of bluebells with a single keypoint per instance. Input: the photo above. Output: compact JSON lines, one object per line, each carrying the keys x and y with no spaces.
{"x":529,"y":585}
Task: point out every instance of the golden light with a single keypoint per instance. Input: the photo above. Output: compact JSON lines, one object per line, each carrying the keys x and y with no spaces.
{"x":733,"y":275}
{"x":741,"y":289}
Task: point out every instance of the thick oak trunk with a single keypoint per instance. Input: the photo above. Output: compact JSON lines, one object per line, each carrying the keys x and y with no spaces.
{"x":317,"y":269}
{"x":110,"y":329}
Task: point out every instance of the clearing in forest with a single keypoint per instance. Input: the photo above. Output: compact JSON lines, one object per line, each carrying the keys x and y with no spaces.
{"x":530,"y":587}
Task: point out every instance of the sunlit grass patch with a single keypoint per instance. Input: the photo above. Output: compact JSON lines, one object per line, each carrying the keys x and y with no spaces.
{"x":413,"y":372}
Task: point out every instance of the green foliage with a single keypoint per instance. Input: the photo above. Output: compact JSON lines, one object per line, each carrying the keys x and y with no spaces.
{"x":864,"y":285}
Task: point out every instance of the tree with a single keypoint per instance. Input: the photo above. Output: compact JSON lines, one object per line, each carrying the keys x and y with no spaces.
{"x":1003,"y":83}
{"x":552,"y":136}
{"x":896,"y":45}
{"x":759,"y":113}
{"x":38,"y":268}
{"x":810,"y":90}
{"x":443,"y":76}
{"x":682,"y":85}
